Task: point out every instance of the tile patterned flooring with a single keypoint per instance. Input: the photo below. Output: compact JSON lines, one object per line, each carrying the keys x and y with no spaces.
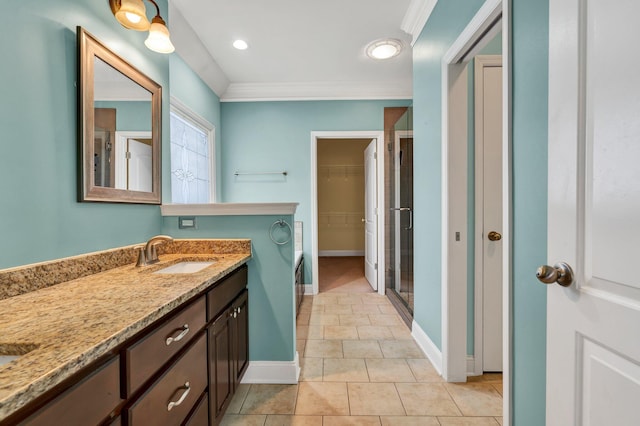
{"x":361,"y":367}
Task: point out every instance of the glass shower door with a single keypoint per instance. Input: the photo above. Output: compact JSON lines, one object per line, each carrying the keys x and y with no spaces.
{"x":399,"y":277}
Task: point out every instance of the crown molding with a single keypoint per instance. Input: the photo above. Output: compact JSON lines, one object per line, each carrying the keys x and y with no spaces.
{"x":252,"y":92}
{"x":194,"y":53}
{"x":416,"y":18}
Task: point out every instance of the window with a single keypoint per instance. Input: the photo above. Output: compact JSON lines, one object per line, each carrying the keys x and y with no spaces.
{"x":192,"y":157}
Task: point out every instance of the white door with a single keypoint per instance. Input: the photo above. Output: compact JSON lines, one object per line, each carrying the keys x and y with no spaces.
{"x":593,"y":326}
{"x":140,"y":169}
{"x":488,"y":131}
{"x":370,"y":216}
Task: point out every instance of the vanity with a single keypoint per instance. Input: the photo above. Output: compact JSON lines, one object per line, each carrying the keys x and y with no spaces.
{"x":127,"y":345}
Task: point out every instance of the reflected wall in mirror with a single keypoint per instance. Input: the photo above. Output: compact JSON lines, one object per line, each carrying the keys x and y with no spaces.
{"x":120,"y":132}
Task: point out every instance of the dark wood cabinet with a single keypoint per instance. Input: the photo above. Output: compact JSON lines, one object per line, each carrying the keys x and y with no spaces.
{"x":193,"y":357}
{"x":200,"y":414}
{"x":90,"y":401}
{"x":228,"y":341}
{"x":171,"y":397}
{"x":220,"y":365}
{"x":145,"y":357}
{"x":240,"y":336}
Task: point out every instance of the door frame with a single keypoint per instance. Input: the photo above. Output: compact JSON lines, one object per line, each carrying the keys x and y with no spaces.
{"x":480,"y":63}
{"x":120,"y":146}
{"x":365,"y":134}
{"x":454,"y":193}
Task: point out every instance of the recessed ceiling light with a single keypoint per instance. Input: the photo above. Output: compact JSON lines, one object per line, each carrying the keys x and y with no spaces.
{"x":240,"y":44}
{"x":384,"y":48}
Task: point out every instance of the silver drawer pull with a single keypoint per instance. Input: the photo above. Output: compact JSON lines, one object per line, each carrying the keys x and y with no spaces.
{"x":185,"y":330}
{"x":187,"y":389}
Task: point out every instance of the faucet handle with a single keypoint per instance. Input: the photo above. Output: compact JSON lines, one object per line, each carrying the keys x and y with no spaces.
{"x":142,"y":258}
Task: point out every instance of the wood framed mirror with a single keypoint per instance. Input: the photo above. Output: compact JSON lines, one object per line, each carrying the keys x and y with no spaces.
{"x":119,"y":128}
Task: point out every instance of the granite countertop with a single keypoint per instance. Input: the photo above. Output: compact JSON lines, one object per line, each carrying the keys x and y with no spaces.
{"x":67,"y":326}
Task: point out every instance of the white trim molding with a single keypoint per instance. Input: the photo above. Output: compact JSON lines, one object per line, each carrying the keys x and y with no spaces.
{"x":194,"y":53}
{"x":228,"y":209}
{"x":472,"y":38}
{"x":313,"y":167}
{"x":276,"y":372}
{"x":427,"y":346}
{"x":312,"y":91}
{"x":416,"y":17}
{"x":471,"y":366}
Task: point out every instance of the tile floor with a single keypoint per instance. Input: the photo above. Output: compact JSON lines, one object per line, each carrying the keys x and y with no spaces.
{"x":361,"y":367}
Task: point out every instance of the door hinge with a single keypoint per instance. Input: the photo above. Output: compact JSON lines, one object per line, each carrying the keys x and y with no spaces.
{"x":127,"y":155}
{"x":375,"y":155}
{"x":375,"y":266}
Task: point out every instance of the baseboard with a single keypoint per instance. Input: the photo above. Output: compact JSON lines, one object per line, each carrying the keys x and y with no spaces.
{"x":277,"y":372}
{"x":340,"y":253}
{"x":471,"y":366}
{"x":308,"y":289}
{"x":428,"y":347}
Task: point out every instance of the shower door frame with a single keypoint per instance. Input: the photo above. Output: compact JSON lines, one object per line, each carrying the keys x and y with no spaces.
{"x":398,"y":135}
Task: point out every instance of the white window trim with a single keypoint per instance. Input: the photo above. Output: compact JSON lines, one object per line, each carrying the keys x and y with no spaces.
{"x":183,"y":111}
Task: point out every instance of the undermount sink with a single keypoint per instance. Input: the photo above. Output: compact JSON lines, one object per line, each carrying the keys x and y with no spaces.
{"x":6,"y":359}
{"x":10,"y":352}
{"x":186,"y":267}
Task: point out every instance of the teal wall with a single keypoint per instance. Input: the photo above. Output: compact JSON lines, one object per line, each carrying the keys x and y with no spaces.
{"x":530,"y":124}
{"x":271,"y":278}
{"x":276,"y":136}
{"x":448,"y":19}
{"x":134,"y":116}
{"x":40,"y":218}
{"x":188,"y":88}
{"x":530,"y":85}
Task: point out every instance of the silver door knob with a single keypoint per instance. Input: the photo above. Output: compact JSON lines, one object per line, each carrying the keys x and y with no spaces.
{"x":560,"y":273}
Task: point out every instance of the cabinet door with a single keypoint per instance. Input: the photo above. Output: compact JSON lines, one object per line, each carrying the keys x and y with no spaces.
{"x":240,"y":336}
{"x":221,"y":366}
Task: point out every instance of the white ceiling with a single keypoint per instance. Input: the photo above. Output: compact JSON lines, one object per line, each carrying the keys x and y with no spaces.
{"x":298,"y":49}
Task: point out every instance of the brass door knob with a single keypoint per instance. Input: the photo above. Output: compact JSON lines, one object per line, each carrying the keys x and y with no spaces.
{"x":560,"y":273}
{"x":494,"y":236}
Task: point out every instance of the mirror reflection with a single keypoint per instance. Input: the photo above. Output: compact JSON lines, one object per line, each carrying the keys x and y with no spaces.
{"x":122,"y":131}
{"x":120,"y":122}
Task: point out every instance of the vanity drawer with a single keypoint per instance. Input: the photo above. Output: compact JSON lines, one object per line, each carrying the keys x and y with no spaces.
{"x":88,"y":402}
{"x":149,"y":354}
{"x":200,"y":414}
{"x":171,"y":398}
{"x":225,"y":291}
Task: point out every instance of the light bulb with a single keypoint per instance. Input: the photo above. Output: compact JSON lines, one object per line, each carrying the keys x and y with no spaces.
{"x":132,"y":17}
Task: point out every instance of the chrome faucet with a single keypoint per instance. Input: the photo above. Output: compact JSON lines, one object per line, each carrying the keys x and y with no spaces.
{"x":147,"y":254}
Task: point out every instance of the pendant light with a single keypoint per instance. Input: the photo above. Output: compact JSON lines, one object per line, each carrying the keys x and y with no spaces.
{"x":132,"y":15}
{"x":158,"y":39}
